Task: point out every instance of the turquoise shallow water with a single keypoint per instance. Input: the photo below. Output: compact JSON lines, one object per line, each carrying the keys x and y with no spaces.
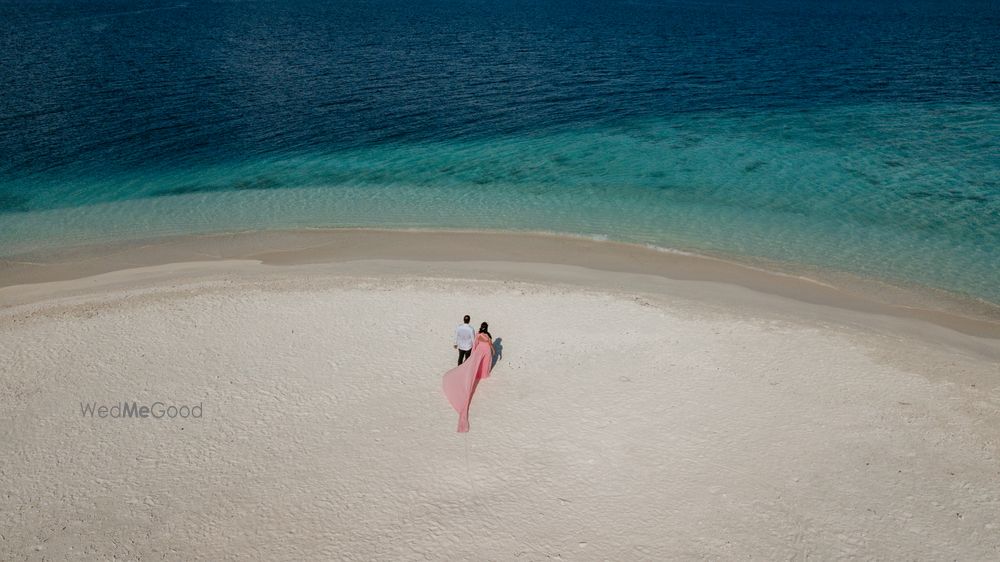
{"x":858,"y":135}
{"x":902,"y":192}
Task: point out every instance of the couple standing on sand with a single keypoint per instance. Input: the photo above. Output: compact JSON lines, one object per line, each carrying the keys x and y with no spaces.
{"x":466,"y":339}
{"x":475,"y":358}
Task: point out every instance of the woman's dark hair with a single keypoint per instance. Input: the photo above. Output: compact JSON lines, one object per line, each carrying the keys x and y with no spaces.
{"x":484,"y":328}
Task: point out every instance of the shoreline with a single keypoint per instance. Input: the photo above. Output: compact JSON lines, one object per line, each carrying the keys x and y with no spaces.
{"x":30,"y":278}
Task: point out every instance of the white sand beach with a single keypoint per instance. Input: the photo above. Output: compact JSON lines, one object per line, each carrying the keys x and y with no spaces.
{"x":646,"y":406}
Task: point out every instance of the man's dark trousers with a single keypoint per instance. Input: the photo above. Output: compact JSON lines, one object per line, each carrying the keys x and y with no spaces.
{"x":463,"y":354}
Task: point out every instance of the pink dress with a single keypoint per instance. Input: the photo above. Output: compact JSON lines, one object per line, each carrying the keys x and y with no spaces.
{"x":460,"y":383}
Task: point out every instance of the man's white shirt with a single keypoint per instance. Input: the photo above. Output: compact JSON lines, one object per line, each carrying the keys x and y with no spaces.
{"x":464,"y":334}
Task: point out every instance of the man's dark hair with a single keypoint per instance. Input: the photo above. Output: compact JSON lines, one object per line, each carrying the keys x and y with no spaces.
{"x":466,"y":319}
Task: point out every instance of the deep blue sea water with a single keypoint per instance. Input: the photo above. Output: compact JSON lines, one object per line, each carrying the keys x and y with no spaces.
{"x":861,"y":136}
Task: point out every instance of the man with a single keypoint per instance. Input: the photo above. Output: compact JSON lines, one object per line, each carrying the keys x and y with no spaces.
{"x":464,"y":335}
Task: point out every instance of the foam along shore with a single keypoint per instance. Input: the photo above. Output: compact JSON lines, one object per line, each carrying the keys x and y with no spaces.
{"x":646,"y":405}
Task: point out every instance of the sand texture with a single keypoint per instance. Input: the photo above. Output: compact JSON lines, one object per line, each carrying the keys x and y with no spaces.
{"x":629,"y":417}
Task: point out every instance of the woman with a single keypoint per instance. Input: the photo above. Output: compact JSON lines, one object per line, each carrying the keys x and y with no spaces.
{"x":460,"y":383}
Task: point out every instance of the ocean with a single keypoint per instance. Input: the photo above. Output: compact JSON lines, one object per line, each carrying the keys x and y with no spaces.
{"x":855,"y":136}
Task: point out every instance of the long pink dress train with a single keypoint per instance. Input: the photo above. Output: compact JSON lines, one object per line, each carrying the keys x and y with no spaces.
{"x":460,"y":383}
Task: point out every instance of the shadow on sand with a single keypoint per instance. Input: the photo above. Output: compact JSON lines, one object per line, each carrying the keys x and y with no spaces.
{"x":497,"y":352}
